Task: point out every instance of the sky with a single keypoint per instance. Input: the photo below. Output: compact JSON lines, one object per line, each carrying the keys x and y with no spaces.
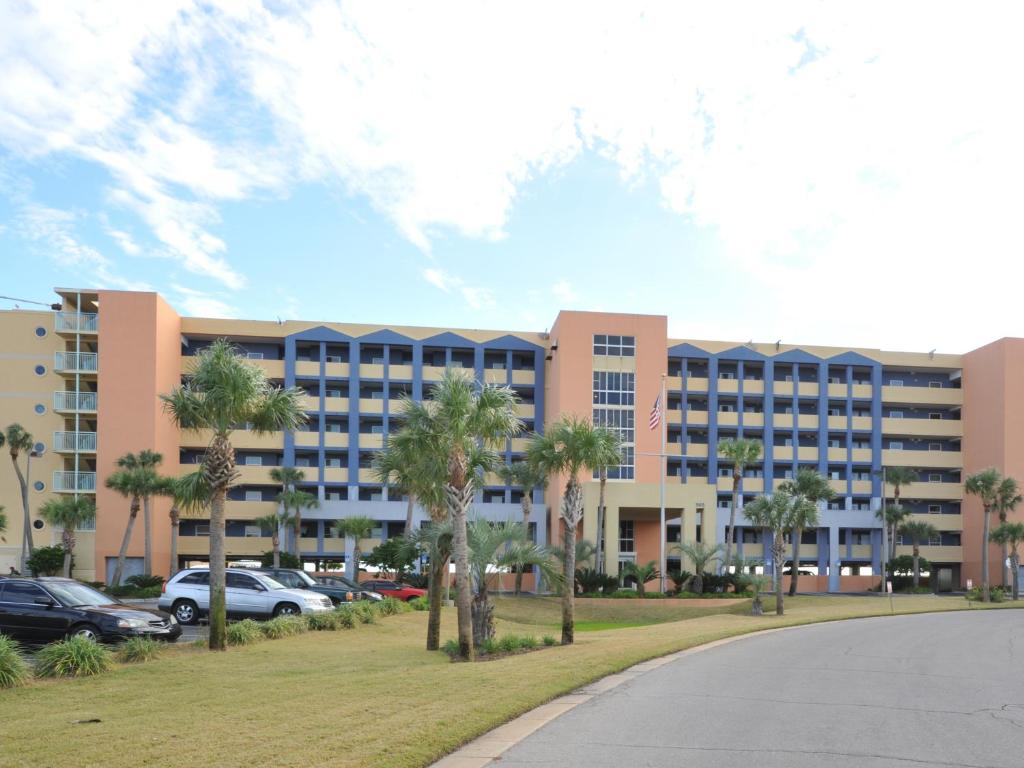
{"x":844,"y":173}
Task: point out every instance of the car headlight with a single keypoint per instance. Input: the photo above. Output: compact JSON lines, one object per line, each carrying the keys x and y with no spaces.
{"x":172,"y":619}
{"x":132,"y":623}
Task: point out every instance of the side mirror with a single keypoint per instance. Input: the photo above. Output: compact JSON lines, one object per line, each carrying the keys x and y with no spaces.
{"x":45,"y":601}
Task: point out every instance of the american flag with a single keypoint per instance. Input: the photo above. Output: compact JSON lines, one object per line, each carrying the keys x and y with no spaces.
{"x":655,"y":419}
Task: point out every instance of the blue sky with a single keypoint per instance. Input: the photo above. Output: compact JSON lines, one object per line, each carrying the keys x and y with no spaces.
{"x":804,"y":175}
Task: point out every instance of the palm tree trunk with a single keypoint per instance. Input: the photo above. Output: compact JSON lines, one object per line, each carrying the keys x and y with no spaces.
{"x":174,"y":541}
{"x":28,"y":547}
{"x":218,"y":607}
{"x":985,"y":594}
{"x":68,"y":537}
{"x":797,"y":535}
{"x":603,"y":479}
{"x":732,"y":520}
{"x":275,"y":542}
{"x":527,"y":504}
{"x":1015,"y":565}
{"x":569,"y":587}
{"x":147,"y":538}
{"x":356,"y":554}
{"x":438,"y":566}
{"x":917,"y":569}
{"x":458,"y":499}
{"x":780,"y":559}
{"x":133,"y":512}
{"x":298,"y":531}
{"x":409,"y":510}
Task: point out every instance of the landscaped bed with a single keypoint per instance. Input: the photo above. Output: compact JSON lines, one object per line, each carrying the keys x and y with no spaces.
{"x":370,"y":696}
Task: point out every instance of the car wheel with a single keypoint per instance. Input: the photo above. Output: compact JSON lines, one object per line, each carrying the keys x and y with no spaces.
{"x":88,"y":631}
{"x":186,"y":612}
{"x":287,"y":609}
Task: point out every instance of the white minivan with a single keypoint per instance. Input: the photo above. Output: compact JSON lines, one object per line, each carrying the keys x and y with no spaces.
{"x":248,"y":595}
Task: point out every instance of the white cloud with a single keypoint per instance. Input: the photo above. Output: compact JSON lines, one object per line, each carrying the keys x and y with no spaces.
{"x":476,"y":296}
{"x":201,"y":304}
{"x":437,"y":278}
{"x":125,"y":241}
{"x":564,"y":293}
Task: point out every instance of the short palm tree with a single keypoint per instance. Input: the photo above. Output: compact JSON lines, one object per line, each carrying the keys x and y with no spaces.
{"x":292,"y":502}
{"x":777,"y":514}
{"x":148,"y":460}
{"x":466,"y":421}
{"x":701,"y":555}
{"x":530,"y":479}
{"x":813,"y":486}
{"x":221,"y":390}
{"x":641,"y":573}
{"x":988,"y":485}
{"x":748,"y":578}
{"x":358,"y":527}
{"x":897,"y":477}
{"x":1007,"y":499}
{"x":435,"y":539}
{"x":892,"y":517}
{"x":189,"y":494}
{"x":391,"y":467}
{"x":134,"y":482}
{"x":274,"y":522}
{"x":20,"y":441}
{"x":609,"y":454}
{"x":919,"y":532}
{"x":1011,"y":534}
{"x":289,"y":478}
{"x":68,"y":513}
{"x":569,"y":447}
{"x":740,"y":452}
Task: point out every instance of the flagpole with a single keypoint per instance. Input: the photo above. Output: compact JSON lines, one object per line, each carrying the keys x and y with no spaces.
{"x":662,"y":468}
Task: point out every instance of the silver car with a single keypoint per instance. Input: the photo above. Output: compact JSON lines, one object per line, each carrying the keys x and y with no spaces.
{"x":248,"y":594}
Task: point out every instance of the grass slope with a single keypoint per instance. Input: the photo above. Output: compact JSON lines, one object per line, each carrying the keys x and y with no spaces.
{"x":367,"y":697}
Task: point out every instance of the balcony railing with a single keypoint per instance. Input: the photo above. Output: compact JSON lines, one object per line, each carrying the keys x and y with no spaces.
{"x":76,"y":361}
{"x":74,"y":401}
{"x":73,"y":321}
{"x":74,"y":442}
{"x":79,"y":482}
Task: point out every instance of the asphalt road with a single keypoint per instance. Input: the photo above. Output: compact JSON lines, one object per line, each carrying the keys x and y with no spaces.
{"x":905,"y":691}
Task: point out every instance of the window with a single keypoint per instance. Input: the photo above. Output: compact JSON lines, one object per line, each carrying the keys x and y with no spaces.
{"x":895,"y":414}
{"x":935,"y":540}
{"x":834,"y":380}
{"x":202,"y":577}
{"x":935,"y":415}
{"x":333,"y":461}
{"x":626,"y":540}
{"x":787,"y":474}
{"x":253,"y":461}
{"x":254,"y":495}
{"x":23,"y":592}
{"x":726,"y":375}
{"x":788,"y":442}
{"x":724,"y":472}
{"x":896,"y":383}
{"x":236,"y":580}
{"x":788,"y":377}
{"x":835,"y":412}
{"x":334,"y":496}
{"x":934,"y":446}
{"x":935,"y":384}
{"x":934,"y":477}
{"x":895,"y":445}
{"x":934,"y":509}
{"x":302,"y":461}
{"x":726,"y":408}
{"x":614,"y":346}
{"x":202,"y":529}
{"x":834,"y":475}
{"x":614,"y":388}
{"x":253,"y":355}
{"x":835,"y":444}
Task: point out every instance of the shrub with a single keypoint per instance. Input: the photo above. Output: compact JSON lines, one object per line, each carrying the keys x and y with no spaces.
{"x":654,"y":595}
{"x":549,"y":640}
{"x":13,"y":669}
{"x":389,"y":606}
{"x":283,"y":626}
{"x":321,"y":622}
{"x":451,"y":647}
{"x":419,"y":604}
{"x":508,"y":643}
{"x":288,"y":560}
{"x":627,"y":594}
{"x":46,"y":561}
{"x":244,"y":632}
{"x":137,"y":649}
{"x":74,"y":657}
{"x":528,"y":642}
{"x":141,"y":581}
{"x":127,"y":590}
{"x":489,"y":645}
{"x":590,"y":581}
{"x":365,"y":612}
{"x":680,"y":579}
{"x":997,"y":594}
{"x":346,"y":617}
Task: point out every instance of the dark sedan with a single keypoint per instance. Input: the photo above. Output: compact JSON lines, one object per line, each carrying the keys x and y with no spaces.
{"x":50,"y":608}
{"x":339,"y":592}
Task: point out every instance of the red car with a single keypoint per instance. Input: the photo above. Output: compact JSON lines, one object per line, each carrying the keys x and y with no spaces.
{"x":394,"y":589}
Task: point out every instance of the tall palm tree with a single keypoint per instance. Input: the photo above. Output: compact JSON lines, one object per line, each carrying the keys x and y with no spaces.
{"x":68,"y":513}
{"x":608,"y":454}
{"x":919,"y":532}
{"x":220,"y":391}
{"x":701,"y":555}
{"x":1011,"y":534}
{"x":530,"y":479}
{"x":435,"y":539}
{"x":274,"y":522}
{"x":897,"y":477}
{"x":569,"y":447}
{"x":811,"y":485}
{"x":294,"y":499}
{"x":777,"y":514}
{"x":1007,"y":499}
{"x":145,"y":460}
{"x":393,"y":468}
{"x":892,"y":516}
{"x":463,"y":419}
{"x":358,"y":527}
{"x":20,"y":441}
{"x":190,"y":494}
{"x":133,"y":482}
{"x":740,"y":452}
{"x":289,"y":478}
{"x":986,"y":486}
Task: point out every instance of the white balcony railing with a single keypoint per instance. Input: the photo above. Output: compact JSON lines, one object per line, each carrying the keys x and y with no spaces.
{"x":76,"y":361}
{"x":74,"y":481}
{"x":74,"y":442}
{"x":73,"y":321}
{"x":74,"y":401}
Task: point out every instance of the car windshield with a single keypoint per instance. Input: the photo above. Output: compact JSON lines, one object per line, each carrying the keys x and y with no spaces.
{"x":72,"y":594}
{"x":338,"y":581}
{"x":269,"y":582}
{"x":306,"y":579}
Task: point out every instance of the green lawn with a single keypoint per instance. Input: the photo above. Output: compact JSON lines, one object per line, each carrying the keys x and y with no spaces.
{"x":608,"y":613}
{"x":365,"y":697}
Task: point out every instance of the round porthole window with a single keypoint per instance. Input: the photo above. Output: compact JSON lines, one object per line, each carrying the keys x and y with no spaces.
{"x":40,"y":332}
{"x":40,"y":370}
{"x":39,"y":448}
{"x":38,"y":524}
{"x":40,"y":408}
{"x":39,"y":485}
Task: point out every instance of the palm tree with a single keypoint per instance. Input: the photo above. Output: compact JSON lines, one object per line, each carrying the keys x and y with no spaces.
{"x":190,"y":493}
{"x":393,"y":468}
{"x":1007,"y":499}
{"x":777,"y":514}
{"x":919,"y":532}
{"x":569,"y":447}
{"x":642,"y":574}
{"x":897,"y":477}
{"x":274,"y":522}
{"x":892,"y":516}
{"x":813,"y":486}
{"x":748,"y":578}
{"x":289,"y":478}
{"x":608,"y":454}
{"x":435,"y":539}
{"x":701,"y":555}
{"x":741,"y":452}
{"x":358,"y":527}
{"x":530,"y":479}
{"x":146,"y":460}
{"x":19,"y":441}
{"x":133,"y":482}
{"x":464,"y":421}
{"x":221,"y":391}
{"x":1011,"y":534}
{"x":986,"y":486}
{"x":68,"y":513}
{"x":294,"y":499}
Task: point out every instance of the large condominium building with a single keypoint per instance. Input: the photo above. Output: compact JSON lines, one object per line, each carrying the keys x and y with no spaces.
{"x":86,"y":380}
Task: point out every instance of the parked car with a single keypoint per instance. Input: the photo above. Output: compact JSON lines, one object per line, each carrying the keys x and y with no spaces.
{"x":296,"y":578}
{"x":52,"y":608}
{"x":394,"y":589}
{"x":247,"y":593}
{"x":340,"y":582}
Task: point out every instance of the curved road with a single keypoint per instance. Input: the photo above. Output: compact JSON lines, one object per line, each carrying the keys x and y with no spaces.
{"x":906,"y":691}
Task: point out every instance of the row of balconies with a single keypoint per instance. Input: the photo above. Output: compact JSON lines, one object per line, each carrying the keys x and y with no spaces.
{"x":373,"y":405}
{"x":923,"y":491}
{"x":915,"y":459}
{"x":272,"y":441}
{"x":894,"y":427}
{"x":894,"y":395}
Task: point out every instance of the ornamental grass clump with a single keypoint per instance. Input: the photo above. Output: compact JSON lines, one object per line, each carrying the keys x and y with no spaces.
{"x":13,"y":669}
{"x":323,"y":622}
{"x":244,"y":632}
{"x":74,"y":657}
{"x":283,"y":626}
{"x":365,"y":612}
{"x":346,"y":617}
{"x":138,"y":649}
{"x":389,"y":606}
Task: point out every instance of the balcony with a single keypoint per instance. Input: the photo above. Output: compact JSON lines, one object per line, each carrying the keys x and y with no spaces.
{"x":307,"y":439}
{"x":73,"y":322}
{"x":928,"y":491}
{"x":923,"y":459}
{"x":74,"y":442}
{"x":333,"y":439}
{"x":923,"y":427}
{"x":75,"y":402}
{"x":241,"y":439}
{"x":76,"y":362}
{"x":922,"y":396}
{"x":696,"y":384}
{"x":74,"y":482}
{"x":728,"y":386}
{"x":371,"y":440}
{"x":751,"y":419}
